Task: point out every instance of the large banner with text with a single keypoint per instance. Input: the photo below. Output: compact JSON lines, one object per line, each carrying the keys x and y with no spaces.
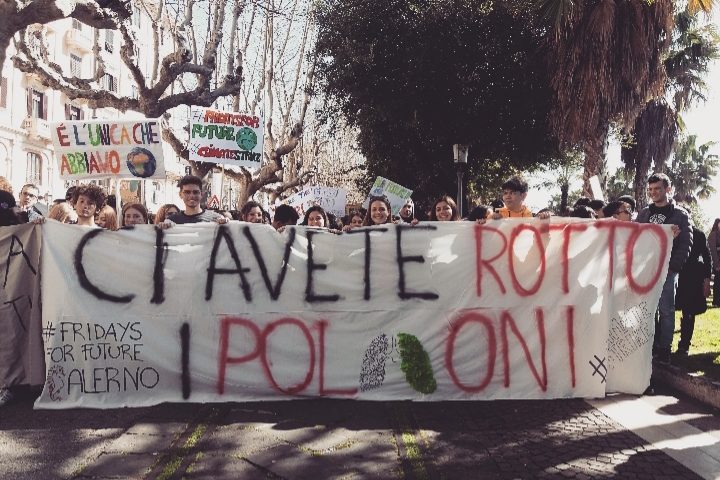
{"x":21,"y":348}
{"x":438,"y":311}
{"x":108,"y":148}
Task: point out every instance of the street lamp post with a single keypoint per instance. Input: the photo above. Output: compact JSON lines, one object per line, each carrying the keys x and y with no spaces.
{"x":460,"y":154}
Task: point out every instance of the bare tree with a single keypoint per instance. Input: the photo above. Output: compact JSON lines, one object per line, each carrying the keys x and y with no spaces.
{"x":197,"y":64}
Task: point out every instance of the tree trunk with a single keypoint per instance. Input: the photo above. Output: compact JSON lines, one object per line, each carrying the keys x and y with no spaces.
{"x":564,"y":188}
{"x":595,"y":163}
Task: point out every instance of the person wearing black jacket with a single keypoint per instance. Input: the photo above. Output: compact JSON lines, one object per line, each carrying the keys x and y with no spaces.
{"x":663,"y":210}
{"x":693,"y":288}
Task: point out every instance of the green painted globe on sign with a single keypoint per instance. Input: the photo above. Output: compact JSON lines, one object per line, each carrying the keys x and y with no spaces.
{"x":246,"y":139}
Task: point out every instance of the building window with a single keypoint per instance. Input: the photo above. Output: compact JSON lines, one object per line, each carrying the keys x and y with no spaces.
{"x":110,"y":83}
{"x":3,"y":92}
{"x":73,"y":113}
{"x":134,"y":93}
{"x":37,"y":104}
{"x":75,"y":65}
{"x":136,"y":16}
{"x":109,"y":37}
{"x":76,"y":24}
{"x":34,"y":168}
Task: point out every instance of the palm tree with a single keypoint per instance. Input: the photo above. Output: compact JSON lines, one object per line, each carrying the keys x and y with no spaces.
{"x":607,"y":59}
{"x":693,"y":169}
{"x":652,"y":136}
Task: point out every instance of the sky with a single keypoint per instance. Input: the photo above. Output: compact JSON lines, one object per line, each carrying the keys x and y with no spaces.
{"x":702,"y":120}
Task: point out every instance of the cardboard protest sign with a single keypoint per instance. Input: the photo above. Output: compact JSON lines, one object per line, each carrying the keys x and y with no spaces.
{"x":108,"y":148}
{"x":396,"y":193}
{"x":225,"y":137}
{"x":21,"y":354}
{"x":441,"y":311}
{"x":331,"y":199}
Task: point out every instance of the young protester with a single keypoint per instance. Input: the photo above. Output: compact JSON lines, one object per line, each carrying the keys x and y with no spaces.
{"x":514,"y":192}
{"x":663,"y":210}
{"x":354,"y":220}
{"x":9,"y":211}
{"x":444,"y":210}
{"x":284,"y":215}
{"x":583,"y":211}
{"x":597,"y":206}
{"x":379,"y":212}
{"x":407,"y":212}
{"x":480,"y":214}
{"x":107,"y":218}
{"x":618,"y":210}
{"x":693,"y":288}
{"x":714,"y":246}
{"x":88,"y":200}
{"x":134,"y":214}
{"x":64,"y":213}
{"x":165,"y":212}
{"x":251,"y":212}
{"x":191,"y":192}
{"x":316,"y":216}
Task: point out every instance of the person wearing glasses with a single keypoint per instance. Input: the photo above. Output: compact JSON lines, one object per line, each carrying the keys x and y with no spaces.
{"x":191,"y":194}
{"x":29,"y":194}
{"x":618,"y":210}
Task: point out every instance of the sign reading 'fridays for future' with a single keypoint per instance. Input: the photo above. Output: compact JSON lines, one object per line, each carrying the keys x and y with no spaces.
{"x":225,"y":137}
{"x":108,"y":148}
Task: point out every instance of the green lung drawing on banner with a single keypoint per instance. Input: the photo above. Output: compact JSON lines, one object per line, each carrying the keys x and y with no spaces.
{"x":415,"y":364}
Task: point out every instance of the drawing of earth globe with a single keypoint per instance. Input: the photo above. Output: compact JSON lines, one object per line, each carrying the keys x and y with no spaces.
{"x":246,"y":139}
{"x":141,"y":162}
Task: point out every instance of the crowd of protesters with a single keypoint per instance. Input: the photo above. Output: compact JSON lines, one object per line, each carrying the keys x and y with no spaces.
{"x":694,"y":256}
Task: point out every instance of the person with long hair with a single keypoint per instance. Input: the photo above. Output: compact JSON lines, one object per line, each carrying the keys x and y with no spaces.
{"x":107,"y":218}
{"x":714,"y":247}
{"x":316,"y":216}
{"x":445,"y":210}
{"x":165,"y":212}
{"x":251,"y":212}
{"x":134,"y":214}
{"x":379,"y":211}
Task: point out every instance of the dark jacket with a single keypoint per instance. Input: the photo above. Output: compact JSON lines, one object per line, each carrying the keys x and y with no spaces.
{"x":690,"y":297}
{"x":683,"y":242}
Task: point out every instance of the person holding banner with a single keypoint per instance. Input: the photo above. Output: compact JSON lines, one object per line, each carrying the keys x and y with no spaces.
{"x":107,"y":218}
{"x":88,"y":200}
{"x":191,"y":193}
{"x":134,"y":214}
{"x":378,"y":212}
{"x":663,"y":210}
{"x":354,"y":220}
{"x":9,"y":211}
{"x":444,"y":210}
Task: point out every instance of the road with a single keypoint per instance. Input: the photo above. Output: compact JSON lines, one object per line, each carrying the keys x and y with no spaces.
{"x":654,"y":437}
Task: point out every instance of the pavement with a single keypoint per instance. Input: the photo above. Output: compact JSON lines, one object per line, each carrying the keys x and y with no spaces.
{"x":621,"y":436}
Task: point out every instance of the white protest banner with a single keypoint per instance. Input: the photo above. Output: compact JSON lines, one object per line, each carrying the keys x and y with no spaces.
{"x":108,"y":148}
{"x":331,"y":199}
{"x":440,"y":311}
{"x":21,"y":354}
{"x":225,"y":137}
{"x":395,"y":193}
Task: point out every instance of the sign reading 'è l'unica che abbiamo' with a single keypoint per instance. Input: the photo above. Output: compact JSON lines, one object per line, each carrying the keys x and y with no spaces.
{"x":438,"y":311}
{"x":108,"y":148}
{"x":225,"y":137}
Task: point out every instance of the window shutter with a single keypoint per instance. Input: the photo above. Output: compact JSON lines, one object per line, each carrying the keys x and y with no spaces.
{"x":29,"y":101}
{"x":3,"y":92}
{"x":67,"y":111}
{"x":44,"y":102}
